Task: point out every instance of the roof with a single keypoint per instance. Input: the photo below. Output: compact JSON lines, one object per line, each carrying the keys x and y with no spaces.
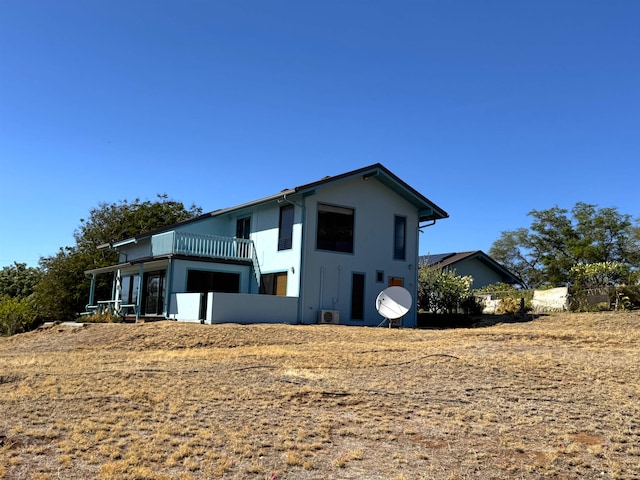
{"x":427,"y":210}
{"x":444,"y":260}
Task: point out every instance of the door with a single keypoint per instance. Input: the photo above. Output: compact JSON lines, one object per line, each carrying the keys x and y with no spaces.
{"x":357,"y":296}
{"x":154,"y":293}
{"x":243,"y":231}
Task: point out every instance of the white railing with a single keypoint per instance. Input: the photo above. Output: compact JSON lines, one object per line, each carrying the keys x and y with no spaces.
{"x":210,"y":246}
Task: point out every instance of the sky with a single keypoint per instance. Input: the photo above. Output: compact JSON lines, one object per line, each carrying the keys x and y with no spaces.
{"x":489,"y":108}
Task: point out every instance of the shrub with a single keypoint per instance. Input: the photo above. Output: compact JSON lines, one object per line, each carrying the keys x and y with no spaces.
{"x":510,"y":297}
{"x":442,"y":291}
{"x":16,"y":315}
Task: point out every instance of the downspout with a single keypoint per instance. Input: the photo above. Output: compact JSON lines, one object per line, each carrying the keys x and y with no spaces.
{"x":303,"y":250}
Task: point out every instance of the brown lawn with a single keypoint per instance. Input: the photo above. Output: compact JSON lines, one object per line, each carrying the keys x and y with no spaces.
{"x":556,"y":397}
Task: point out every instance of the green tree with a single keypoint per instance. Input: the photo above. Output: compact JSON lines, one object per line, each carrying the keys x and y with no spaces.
{"x":63,"y":290}
{"x":18,"y":280}
{"x":556,"y":241}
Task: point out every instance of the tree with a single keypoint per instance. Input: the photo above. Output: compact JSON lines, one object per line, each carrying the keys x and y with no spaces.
{"x":18,"y":280}
{"x":63,"y":290}
{"x":555,"y":242}
{"x":17,"y":284}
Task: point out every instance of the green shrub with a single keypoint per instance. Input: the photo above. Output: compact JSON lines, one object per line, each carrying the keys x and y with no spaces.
{"x":442,"y":291}
{"x":16,"y":315}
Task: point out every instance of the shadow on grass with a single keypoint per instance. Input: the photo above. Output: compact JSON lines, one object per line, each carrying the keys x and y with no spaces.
{"x":444,"y":321}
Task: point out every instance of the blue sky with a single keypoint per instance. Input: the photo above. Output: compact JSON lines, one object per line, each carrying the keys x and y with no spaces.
{"x":489,"y":108}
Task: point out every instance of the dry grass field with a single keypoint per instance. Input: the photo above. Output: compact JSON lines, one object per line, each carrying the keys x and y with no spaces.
{"x":556,"y":397}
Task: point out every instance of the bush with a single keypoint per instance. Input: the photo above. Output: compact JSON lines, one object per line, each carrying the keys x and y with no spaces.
{"x":510,"y":297}
{"x":442,"y":291}
{"x":16,"y":315}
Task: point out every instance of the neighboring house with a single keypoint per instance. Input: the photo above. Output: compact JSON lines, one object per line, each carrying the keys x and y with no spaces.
{"x":331,"y":245}
{"x":477,"y":264}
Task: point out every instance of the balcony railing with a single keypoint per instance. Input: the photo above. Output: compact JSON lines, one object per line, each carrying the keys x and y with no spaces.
{"x":208,"y":246}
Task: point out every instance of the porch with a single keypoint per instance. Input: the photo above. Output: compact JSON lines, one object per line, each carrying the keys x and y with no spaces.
{"x":165,"y":250}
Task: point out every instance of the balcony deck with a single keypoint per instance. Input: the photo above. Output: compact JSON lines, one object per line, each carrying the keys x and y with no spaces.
{"x":206,"y":246}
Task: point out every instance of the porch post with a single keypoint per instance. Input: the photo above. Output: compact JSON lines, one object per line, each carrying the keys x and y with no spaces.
{"x":118,"y":292}
{"x":92,"y":290}
{"x":169,"y":289}
{"x":113,"y":286}
{"x":139,"y":299}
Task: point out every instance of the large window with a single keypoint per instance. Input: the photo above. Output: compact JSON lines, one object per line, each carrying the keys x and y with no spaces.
{"x":400,"y":238}
{"x":285,"y":232}
{"x":203,"y":281}
{"x":335,"y":229}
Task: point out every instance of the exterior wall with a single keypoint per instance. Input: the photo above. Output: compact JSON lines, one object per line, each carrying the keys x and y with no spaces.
{"x":482,"y":274}
{"x":132,"y":251}
{"x":327,"y":275}
{"x":240,"y":308}
{"x":265,"y":229}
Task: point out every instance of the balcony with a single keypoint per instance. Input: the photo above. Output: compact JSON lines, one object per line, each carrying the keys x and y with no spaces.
{"x":208,"y":246}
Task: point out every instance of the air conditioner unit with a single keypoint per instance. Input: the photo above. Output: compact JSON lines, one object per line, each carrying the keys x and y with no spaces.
{"x":329,"y":316}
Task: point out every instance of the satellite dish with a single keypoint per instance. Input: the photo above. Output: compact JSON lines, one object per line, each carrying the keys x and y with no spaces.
{"x":393,"y":302}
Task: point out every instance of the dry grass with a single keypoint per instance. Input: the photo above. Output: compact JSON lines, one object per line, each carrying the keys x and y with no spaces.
{"x":557,"y":397}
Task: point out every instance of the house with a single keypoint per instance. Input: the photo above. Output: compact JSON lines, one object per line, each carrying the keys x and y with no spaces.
{"x":317,"y":252}
{"x":477,"y":264}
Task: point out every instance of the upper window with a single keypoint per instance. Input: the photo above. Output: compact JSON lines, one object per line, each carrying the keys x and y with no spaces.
{"x":400,"y":238}
{"x":285,"y":233}
{"x":335,"y":229}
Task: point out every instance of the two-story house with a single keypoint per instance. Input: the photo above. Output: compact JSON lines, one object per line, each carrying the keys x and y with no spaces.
{"x":322,"y":251}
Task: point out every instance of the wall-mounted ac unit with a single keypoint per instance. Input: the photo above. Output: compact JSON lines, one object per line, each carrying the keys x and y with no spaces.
{"x":329,"y":316}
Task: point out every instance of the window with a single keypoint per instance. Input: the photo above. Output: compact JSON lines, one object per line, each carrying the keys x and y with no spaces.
{"x":335,"y":229}
{"x":379,"y":276}
{"x":399,"y":238}
{"x":129,"y":290}
{"x":357,"y":296}
{"x":285,"y":232}
{"x":243,"y":227}
{"x":273,"y":284}
{"x":204,"y":281}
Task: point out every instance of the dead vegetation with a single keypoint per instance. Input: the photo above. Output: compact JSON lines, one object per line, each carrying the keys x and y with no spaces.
{"x":556,"y":397}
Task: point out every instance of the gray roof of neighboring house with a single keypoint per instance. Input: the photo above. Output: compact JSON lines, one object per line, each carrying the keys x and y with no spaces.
{"x":428,"y":210}
{"x":444,"y":260}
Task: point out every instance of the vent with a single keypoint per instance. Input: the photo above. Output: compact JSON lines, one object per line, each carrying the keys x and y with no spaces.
{"x":329,"y":316}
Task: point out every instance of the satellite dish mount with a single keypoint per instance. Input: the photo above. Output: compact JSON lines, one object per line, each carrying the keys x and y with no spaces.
{"x":393,"y":303}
